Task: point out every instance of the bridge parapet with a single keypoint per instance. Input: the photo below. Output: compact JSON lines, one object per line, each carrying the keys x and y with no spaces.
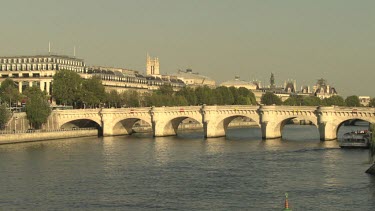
{"x":215,"y":119}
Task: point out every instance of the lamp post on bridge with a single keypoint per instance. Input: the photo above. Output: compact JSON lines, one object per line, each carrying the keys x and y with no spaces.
{"x":15,"y":124}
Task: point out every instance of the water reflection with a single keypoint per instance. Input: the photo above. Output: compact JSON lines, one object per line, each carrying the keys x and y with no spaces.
{"x":330,"y":168}
{"x":272,"y":144}
{"x":214,"y":146}
{"x":162,"y":150}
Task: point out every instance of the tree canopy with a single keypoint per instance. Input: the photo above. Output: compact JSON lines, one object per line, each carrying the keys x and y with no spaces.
{"x":93,"y":92}
{"x":4,"y":116}
{"x":37,"y":107}
{"x":294,"y":100}
{"x":9,"y":92}
{"x":66,"y":87}
{"x":69,"y":88}
{"x":352,"y":101}
{"x":333,"y":100}
{"x":270,"y":98}
{"x":311,"y":101}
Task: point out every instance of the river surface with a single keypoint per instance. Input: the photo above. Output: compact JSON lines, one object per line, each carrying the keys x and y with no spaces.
{"x":187,"y":172}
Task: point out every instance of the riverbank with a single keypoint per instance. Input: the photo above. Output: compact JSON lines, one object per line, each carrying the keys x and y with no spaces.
{"x":13,"y":138}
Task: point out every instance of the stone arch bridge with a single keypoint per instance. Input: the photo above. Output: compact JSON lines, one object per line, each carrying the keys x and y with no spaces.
{"x":214,"y":119}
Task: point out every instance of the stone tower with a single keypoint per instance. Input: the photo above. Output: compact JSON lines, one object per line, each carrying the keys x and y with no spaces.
{"x":152,"y":66}
{"x":272,"y":81}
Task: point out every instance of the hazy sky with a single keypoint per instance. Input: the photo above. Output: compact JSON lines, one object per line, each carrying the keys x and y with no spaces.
{"x":295,"y":39}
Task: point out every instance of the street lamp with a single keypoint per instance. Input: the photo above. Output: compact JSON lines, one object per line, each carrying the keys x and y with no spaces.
{"x":15,"y":124}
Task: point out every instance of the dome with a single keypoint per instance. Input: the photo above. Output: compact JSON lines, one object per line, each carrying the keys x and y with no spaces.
{"x":194,"y":79}
{"x":239,"y":83}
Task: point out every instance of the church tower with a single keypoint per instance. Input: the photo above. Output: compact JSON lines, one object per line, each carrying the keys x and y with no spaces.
{"x":152,"y":66}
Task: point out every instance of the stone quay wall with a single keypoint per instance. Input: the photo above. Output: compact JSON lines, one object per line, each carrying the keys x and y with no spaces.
{"x":12,"y":138}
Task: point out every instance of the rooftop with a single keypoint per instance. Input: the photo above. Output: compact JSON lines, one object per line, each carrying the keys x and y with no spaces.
{"x":41,"y":55}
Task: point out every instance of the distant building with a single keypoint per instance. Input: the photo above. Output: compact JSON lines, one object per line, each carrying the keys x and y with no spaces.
{"x":37,"y":70}
{"x":364,"y":100}
{"x":305,"y":90}
{"x":323,"y":90}
{"x":115,"y":70}
{"x":194,"y":79}
{"x":152,"y":66}
{"x":121,"y":79}
{"x":290,"y":86}
{"x":237,"y":82}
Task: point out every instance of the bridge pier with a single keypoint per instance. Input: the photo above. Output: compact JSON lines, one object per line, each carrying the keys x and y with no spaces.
{"x":270,"y":130}
{"x":162,"y":129}
{"x":213,"y":129}
{"x":327,"y":122}
{"x":327,"y":131}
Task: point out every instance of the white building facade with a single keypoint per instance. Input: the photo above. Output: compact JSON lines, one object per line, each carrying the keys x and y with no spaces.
{"x":38,"y":70}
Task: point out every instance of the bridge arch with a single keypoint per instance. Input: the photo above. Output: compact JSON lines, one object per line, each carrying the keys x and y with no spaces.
{"x":124,"y":125}
{"x":336,"y":126}
{"x":219,"y":127}
{"x":279,"y":126}
{"x":329,"y":129}
{"x":80,"y":123}
{"x":169,"y":127}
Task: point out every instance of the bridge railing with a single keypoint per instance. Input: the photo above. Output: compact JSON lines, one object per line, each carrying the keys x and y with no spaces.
{"x":351,"y":109}
{"x":289,"y":108}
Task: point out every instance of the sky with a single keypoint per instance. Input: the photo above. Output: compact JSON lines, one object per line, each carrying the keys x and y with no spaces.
{"x":294,"y":39}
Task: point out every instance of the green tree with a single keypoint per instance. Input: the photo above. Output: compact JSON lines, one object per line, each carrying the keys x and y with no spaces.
{"x":242,"y":91}
{"x":37,"y":107}
{"x":165,"y":90}
{"x":66,"y":87}
{"x":9,"y":92}
{"x":133,"y":99}
{"x":243,"y":100}
{"x":352,"y":101}
{"x":311,"y":101}
{"x":114,"y":99}
{"x":224,"y":96}
{"x":205,"y":95}
{"x":93,"y":92}
{"x":180,"y":101}
{"x":235,"y":94}
{"x":294,"y":100}
{"x":189,"y":95}
{"x":333,"y":100}
{"x":4,"y":116}
{"x":270,"y":98}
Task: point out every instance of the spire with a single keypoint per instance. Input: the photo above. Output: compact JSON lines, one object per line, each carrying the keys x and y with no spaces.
{"x":49,"y":47}
{"x":74,"y":51}
{"x":286,"y":207}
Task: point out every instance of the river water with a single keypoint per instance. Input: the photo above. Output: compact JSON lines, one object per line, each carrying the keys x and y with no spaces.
{"x":187,"y":172}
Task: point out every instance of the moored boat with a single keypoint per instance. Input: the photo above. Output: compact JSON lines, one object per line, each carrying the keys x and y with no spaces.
{"x":356,"y":139}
